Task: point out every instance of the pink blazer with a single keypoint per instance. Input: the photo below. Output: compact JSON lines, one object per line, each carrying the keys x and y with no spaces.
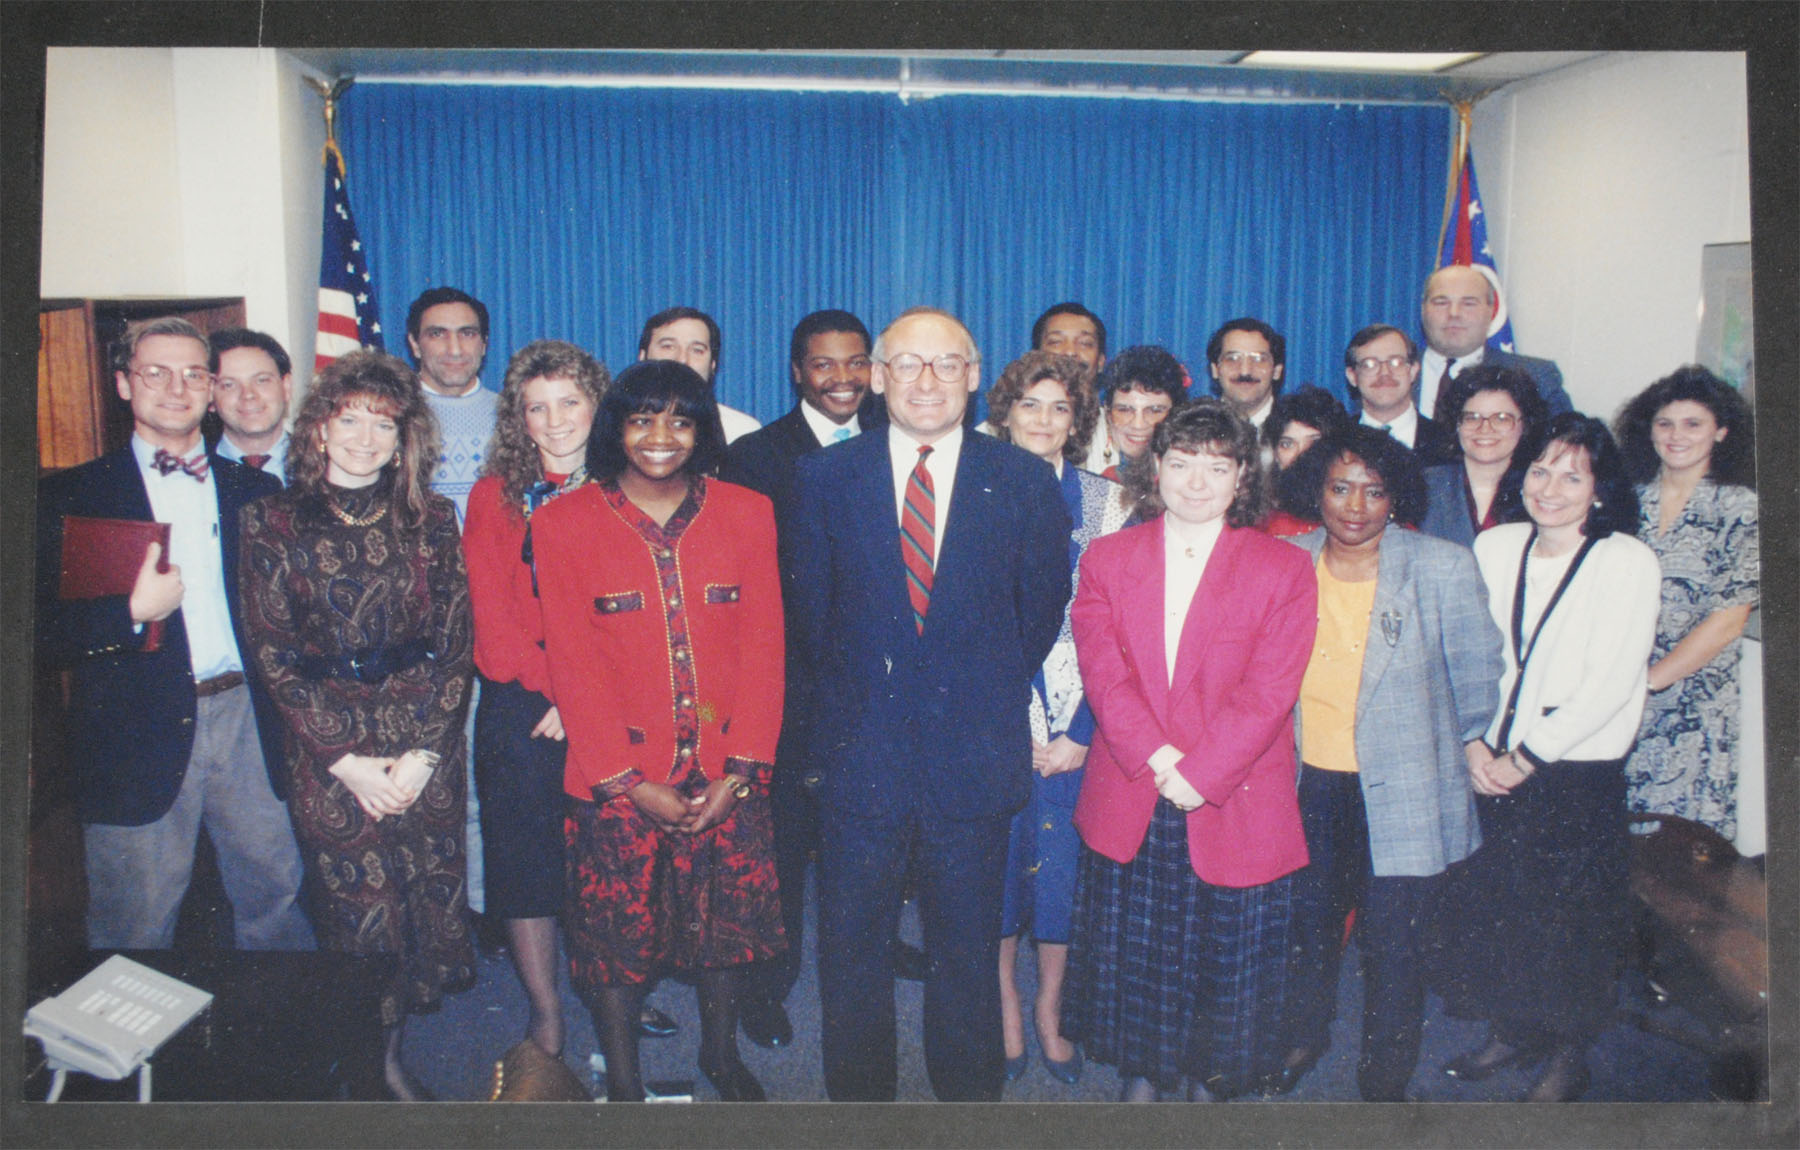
{"x":1244,"y":650}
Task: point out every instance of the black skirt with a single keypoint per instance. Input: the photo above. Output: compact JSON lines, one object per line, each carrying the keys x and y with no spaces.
{"x":1171,"y":977}
{"x":519,"y":780}
{"x":1534,"y":925}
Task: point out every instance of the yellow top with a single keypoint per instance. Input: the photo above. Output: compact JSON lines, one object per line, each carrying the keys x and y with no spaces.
{"x":1334,"y":674}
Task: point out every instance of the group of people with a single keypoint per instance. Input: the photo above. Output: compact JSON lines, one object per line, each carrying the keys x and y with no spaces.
{"x":1176,"y":685}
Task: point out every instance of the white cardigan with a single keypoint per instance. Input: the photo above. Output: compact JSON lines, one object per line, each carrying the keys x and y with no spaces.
{"x":1584,"y":693}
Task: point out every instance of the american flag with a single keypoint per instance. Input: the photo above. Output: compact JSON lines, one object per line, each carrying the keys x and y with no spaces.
{"x":346,"y":296}
{"x":1466,"y":242}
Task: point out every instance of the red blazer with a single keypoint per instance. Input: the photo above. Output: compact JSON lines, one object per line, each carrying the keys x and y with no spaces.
{"x":508,"y":624}
{"x":1244,"y":650}
{"x":606,"y":627}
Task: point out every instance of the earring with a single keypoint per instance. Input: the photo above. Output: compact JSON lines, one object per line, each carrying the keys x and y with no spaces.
{"x":1598,"y":504}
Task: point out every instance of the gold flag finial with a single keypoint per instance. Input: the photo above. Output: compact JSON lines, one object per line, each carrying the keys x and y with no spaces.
{"x":330,"y":92}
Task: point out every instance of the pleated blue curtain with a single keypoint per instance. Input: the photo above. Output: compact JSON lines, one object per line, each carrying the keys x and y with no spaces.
{"x":576,"y":212}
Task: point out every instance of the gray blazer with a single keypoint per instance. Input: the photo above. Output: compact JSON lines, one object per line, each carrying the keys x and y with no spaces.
{"x":1430,"y":683}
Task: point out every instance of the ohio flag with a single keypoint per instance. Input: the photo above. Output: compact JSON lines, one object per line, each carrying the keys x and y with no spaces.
{"x":346,"y":296}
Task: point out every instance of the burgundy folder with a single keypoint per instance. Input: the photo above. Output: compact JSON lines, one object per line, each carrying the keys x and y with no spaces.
{"x":103,"y":557}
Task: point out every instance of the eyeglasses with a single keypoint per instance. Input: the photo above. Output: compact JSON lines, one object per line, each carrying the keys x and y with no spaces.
{"x":1499,"y":420}
{"x":1253,"y":358}
{"x":158,"y":378}
{"x":1370,"y":364}
{"x":907,"y":367}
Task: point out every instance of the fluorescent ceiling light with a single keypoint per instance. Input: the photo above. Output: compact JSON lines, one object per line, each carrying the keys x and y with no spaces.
{"x":1360,"y":61}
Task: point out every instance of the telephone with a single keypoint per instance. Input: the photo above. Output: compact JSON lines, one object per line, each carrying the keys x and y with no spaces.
{"x":112,"y":1021}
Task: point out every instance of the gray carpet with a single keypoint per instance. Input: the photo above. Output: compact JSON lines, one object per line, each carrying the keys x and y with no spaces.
{"x":453,"y":1050}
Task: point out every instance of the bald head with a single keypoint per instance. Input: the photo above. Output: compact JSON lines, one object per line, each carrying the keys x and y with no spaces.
{"x":1459,"y":305}
{"x":926,"y":367}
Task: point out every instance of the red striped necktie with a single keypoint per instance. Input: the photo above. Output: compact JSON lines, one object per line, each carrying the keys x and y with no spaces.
{"x":918,"y":543}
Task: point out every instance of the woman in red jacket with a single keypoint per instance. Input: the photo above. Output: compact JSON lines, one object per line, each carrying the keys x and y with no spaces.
{"x":663,"y":629}
{"x":538,"y":452}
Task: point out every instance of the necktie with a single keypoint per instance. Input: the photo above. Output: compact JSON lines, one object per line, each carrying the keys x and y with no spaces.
{"x":840,"y":435}
{"x":167,"y":463}
{"x":257,"y":461}
{"x":1437,"y":400}
{"x":918,"y":545}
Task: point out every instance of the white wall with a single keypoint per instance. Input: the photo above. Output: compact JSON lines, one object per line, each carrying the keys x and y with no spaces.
{"x":112,"y":219}
{"x":185,"y":172}
{"x":1602,"y":182}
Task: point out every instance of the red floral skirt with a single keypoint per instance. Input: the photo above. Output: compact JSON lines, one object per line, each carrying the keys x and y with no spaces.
{"x":642,"y":900}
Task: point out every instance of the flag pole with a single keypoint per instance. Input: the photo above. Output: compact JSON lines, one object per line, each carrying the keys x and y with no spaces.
{"x":1459,"y":151}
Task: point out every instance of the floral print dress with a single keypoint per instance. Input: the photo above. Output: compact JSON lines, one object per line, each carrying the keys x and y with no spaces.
{"x":1684,"y":762}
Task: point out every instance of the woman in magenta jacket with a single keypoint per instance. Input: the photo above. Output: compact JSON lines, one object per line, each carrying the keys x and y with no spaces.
{"x":1193,"y":633}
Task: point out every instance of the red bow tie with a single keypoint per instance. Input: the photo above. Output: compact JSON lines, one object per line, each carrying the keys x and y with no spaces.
{"x":166,"y":463}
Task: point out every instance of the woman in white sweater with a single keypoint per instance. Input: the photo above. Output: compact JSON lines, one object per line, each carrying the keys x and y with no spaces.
{"x":1543,"y":910}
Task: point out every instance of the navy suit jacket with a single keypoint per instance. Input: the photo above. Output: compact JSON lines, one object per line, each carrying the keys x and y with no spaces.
{"x":765,"y":461}
{"x":131,"y":712}
{"x":901,"y":718}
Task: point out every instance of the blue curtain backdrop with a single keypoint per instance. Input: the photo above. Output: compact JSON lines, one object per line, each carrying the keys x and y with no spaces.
{"x":574,"y":213}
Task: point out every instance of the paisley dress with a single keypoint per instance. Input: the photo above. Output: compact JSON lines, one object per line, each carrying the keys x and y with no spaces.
{"x":315,"y":588}
{"x":1684,"y":761}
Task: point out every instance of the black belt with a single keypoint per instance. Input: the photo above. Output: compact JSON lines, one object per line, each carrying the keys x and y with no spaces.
{"x":368,"y":665}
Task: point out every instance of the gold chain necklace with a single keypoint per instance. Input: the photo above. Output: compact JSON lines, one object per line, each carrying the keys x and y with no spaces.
{"x":350,"y":520}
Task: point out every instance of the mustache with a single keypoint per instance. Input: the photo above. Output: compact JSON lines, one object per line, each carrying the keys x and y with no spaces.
{"x":1242,"y":378}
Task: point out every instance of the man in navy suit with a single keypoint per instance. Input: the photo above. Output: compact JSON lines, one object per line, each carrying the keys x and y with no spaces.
{"x":1381,"y":365}
{"x":164,"y":741}
{"x":1459,"y":306}
{"x":829,"y":360}
{"x":929,"y":571}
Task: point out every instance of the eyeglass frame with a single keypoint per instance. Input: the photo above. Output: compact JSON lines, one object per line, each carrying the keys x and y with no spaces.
{"x":1237,"y":356}
{"x":904,"y":375}
{"x":149,"y":374}
{"x":1370,"y":364}
{"x":1498,"y":420}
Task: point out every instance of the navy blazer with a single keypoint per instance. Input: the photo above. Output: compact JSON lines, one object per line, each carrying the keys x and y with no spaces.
{"x":900,"y":717}
{"x":1543,"y":372}
{"x":131,"y":712}
{"x":764,"y":461}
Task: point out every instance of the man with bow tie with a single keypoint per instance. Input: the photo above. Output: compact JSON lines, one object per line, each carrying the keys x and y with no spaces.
{"x":165,"y":737}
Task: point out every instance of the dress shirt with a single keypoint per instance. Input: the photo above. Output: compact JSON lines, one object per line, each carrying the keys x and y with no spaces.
{"x":1405,"y":428}
{"x":1261,"y":415}
{"x":1431,"y":369}
{"x":736,"y":424}
{"x":825,"y":431}
{"x":191,"y":508}
{"x":1181,"y":577}
{"x":277,"y":464}
{"x":903,"y":455}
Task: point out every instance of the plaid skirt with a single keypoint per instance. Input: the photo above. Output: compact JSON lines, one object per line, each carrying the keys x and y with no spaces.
{"x":1172,"y":977}
{"x":641,"y":901}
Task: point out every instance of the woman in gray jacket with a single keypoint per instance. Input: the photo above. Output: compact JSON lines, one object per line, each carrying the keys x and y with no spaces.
{"x":1403,"y":677}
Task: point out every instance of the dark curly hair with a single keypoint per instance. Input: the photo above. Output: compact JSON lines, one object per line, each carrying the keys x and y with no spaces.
{"x":1615,"y":496}
{"x":1206,"y":425}
{"x":1518,"y":386}
{"x":1033,"y":368}
{"x":1143,"y":368}
{"x":385,"y":385}
{"x":1310,"y":405}
{"x":656,"y":385}
{"x":1396,"y":467}
{"x":1733,"y":458}
{"x":511,"y":455}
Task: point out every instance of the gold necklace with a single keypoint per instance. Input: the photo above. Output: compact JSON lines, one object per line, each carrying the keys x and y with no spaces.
{"x":350,"y":520}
